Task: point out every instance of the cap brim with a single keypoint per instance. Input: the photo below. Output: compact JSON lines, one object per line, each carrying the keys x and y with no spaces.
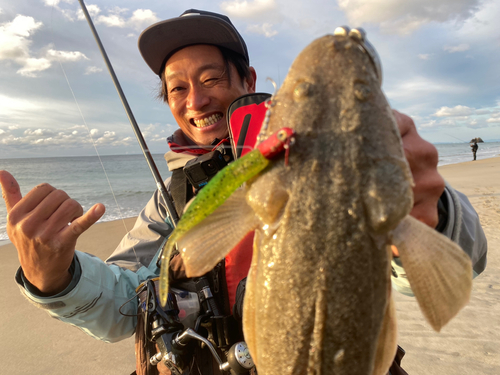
{"x":160,"y":40}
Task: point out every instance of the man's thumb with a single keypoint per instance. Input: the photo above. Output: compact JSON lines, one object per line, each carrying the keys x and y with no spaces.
{"x":10,"y":190}
{"x":84,"y":222}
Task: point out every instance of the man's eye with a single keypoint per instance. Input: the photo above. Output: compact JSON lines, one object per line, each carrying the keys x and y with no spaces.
{"x":176,"y":89}
{"x":210,"y":80}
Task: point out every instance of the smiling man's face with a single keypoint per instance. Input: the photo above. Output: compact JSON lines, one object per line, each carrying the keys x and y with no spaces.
{"x":200,"y":89}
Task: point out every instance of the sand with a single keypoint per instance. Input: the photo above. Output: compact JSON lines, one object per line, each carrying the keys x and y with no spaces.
{"x":34,"y":343}
{"x":470,"y":344}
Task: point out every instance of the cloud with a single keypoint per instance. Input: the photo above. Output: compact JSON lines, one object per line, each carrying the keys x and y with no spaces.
{"x":39,"y":132}
{"x":483,"y":27}
{"x":15,"y":46}
{"x":248,"y":9}
{"x":113,"y":20}
{"x":405,"y":16}
{"x":14,"y":42}
{"x":264,"y":29}
{"x":424,"y":56}
{"x":432,"y":124}
{"x":460,"y":48}
{"x":69,"y":14}
{"x":66,"y":56}
{"x":422,"y":87}
{"x":10,"y":106}
{"x":73,"y":136}
{"x":92,"y":70}
{"x":33,"y":65}
{"x":494,"y":119}
{"x":461,"y":116}
{"x":55,"y":3}
{"x":142,"y":18}
{"x":476,"y":123}
{"x":92,"y":9}
{"x":117,"y":17}
{"x":458,"y":110}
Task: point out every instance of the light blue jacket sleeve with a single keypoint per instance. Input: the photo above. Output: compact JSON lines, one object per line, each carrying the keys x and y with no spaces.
{"x":463,"y":227}
{"x":94,"y":299}
{"x":93,"y":305}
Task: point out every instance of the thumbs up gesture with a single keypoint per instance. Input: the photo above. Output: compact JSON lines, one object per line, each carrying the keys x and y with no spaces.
{"x":44,"y":226}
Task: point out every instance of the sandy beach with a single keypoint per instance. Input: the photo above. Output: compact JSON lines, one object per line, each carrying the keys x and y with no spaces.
{"x":469,"y":344}
{"x":32,"y":343}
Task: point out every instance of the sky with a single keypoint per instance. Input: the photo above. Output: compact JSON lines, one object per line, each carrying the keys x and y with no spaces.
{"x":440,"y":61}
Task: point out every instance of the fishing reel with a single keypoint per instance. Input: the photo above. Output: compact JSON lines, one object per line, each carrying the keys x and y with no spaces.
{"x":177,"y":328}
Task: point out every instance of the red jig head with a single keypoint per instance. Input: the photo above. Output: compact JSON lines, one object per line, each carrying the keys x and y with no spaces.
{"x":276,"y":143}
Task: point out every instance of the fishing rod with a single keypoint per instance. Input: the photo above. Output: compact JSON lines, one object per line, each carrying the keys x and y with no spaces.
{"x":461,"y":140}
{"x":171,"y":213}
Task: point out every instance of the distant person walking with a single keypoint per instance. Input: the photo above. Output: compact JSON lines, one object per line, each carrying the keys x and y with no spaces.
{"x":474,"y":149}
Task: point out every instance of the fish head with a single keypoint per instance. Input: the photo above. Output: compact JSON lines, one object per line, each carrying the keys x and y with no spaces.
{"x":332,"y":99}
{"x":328,"y":77}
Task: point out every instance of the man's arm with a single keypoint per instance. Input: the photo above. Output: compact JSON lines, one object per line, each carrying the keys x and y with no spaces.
{"x":93,"y":304}
{"x":461,"y":222}
{"x":92,"y":292}
{"x":464,"y":228}
{"x":139,"y":246}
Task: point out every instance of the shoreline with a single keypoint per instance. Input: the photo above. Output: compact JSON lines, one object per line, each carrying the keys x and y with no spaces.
{"x":442,"y":168}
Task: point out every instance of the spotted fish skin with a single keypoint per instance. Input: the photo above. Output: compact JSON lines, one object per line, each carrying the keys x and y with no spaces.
{"x":319,"y":284}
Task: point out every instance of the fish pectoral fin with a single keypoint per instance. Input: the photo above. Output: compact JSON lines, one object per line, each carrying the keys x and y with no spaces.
{"x":439,"y":271}
{"x":387,"y":343}
{"x":203,"y":246}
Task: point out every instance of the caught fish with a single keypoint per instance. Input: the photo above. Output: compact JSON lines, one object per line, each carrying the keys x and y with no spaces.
{"x":318,"y":295}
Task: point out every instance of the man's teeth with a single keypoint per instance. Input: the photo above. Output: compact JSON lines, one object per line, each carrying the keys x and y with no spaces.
{"x":207,"y":121}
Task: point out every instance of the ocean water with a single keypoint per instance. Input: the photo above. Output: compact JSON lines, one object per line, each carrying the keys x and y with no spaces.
{"x":131,"y":181}
{"x":452,"y":153}
{"x":84,"y":180}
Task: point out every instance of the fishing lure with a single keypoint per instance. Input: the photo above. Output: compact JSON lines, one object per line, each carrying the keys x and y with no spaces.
{"x":219,"y":189}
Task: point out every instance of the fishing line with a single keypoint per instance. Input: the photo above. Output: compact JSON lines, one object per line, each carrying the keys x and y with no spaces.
{"x":461,"y":140}
{"x":90,"y":135}
{"x":169,"y":205}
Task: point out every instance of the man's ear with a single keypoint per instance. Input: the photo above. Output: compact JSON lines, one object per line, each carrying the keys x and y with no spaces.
{"x":250,"y":82}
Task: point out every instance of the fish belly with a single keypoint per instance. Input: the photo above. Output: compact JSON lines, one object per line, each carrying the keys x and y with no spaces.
{"x":319,"y":286}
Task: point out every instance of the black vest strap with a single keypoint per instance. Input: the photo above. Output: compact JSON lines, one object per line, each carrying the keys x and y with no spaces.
{"x":181,"y":190}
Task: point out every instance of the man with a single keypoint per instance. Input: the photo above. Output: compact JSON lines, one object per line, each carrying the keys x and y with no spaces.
{"x":474,"y":148}
{"x":203,"y":64}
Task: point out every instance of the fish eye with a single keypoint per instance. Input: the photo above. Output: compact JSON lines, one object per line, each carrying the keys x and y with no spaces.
{"x":362,"y":90}
{"x":302,"y":91}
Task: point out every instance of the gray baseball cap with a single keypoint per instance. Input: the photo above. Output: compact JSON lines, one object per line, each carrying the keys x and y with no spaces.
{"x":159,"y":41}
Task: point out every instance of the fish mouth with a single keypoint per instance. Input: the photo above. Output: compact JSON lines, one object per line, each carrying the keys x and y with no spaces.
{"x":203,"y":122}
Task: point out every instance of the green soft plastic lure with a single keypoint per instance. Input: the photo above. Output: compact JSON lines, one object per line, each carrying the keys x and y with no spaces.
{"x":216,"y":192}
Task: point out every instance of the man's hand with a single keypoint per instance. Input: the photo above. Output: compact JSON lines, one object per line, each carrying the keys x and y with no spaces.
{"x":44,"y":227}
{"x":423,"y":159}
